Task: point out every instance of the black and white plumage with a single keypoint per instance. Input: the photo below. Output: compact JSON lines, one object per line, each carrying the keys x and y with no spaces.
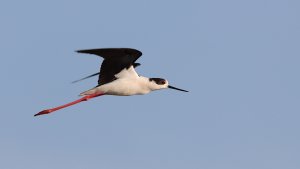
{"x":115,"y":60}
{"x":117,"y":76}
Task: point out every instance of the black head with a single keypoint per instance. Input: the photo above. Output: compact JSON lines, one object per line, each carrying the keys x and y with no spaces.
{"x":158,"y":81}
{"x":162,"y":83}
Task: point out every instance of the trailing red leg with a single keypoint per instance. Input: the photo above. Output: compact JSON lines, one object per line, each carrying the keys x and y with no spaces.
{"x":85,"y":98}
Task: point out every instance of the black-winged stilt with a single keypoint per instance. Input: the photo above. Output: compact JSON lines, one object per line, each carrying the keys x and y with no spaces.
{"x":117,"y":76}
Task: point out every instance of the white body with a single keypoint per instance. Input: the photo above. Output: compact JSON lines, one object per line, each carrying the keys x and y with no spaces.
{"x":128,"y":83}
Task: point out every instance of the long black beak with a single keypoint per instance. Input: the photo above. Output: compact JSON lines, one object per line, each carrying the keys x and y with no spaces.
{"x":171,"y":87}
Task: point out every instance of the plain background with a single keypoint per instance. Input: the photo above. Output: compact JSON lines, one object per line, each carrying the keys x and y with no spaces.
{"x":239,"y":60}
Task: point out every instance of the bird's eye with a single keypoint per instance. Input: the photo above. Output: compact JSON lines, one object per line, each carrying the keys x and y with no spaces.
{"x":163,"y":82}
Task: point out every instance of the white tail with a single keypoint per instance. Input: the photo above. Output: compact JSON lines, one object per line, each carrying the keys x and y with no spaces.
{"x":89,"y":92}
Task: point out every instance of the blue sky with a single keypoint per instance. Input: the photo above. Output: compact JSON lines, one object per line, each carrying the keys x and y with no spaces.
{"x":239,"y":60}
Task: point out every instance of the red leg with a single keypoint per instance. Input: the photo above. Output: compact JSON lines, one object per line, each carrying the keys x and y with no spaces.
{"x":85,"y":98}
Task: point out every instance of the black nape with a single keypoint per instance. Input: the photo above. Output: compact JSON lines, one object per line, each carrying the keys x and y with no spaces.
{"x":158,"y":81}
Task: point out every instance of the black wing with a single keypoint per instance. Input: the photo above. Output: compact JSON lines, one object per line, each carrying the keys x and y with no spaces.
{"x":98,"y":73}
{"x":115,"y":60}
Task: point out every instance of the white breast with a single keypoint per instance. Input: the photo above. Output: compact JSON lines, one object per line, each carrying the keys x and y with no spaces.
{"x":122,"y":87}
{"x":127,"y":83}
{"x":125,"y":87}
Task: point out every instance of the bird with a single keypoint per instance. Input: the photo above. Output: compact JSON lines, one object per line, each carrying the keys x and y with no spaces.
{"x":117,"y":76}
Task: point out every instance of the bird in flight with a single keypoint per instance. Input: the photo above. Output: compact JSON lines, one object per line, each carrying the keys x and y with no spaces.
{"x":117,"y":76}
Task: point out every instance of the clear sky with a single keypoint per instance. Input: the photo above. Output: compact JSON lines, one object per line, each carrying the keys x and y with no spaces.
{"x":240,"y":60}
